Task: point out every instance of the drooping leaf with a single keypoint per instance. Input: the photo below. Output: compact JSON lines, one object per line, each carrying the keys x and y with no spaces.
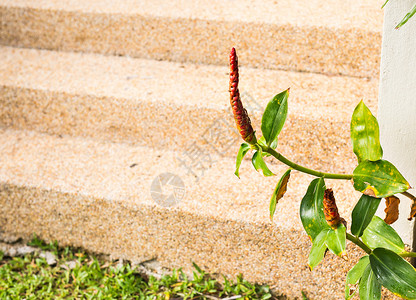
{"x":259,"y":163}
{"x":279,"y":192}
{"x":312,"y":209}
{"x":407,"y":17}
{"x":392,"y":209}
{"x":365,"y":134}
{"x":380,"y":235}
{"x":379,"y":179}
{"x":241,"y":153}
{"x":394,"y":272}
{"x":362,"y":214}
{"x":336,"y":240}
{"x":318,"y":249}
{"x":354,"y":275}
{"x":274,"y":117}
{"x":370,"y":288}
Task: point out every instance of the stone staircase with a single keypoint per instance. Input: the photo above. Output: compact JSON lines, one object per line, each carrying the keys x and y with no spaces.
{"x":98,"y":98}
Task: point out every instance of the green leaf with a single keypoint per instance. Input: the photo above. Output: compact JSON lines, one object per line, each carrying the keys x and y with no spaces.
{"x":318,"y":249}
{"x":336,"y":240}
{"x":354,"y":275}
{"x":312,"y":209}
{"x":407,"y":17}
{"x":365,"y":134}
{"x":262,"y":141}
{"x":379,"y":234}
{"x":385,"y":3}
{"x":278,"y":192}
{"x":362,"y":214}
{"x":379,"y":179}
{"x":241,"y":153}
{"x":370,"y":288}
{"x":274,"y":117}
{"x":198,"y":268}
{"x":394,"y":272}
{"x":259,"y":163}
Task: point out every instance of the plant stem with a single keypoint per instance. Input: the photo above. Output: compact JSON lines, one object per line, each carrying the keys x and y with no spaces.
{"x":408,"y":254}
{"x":407,"y":194}
{"x":363,"y":246}
{"x":295,"y":166}
{"x":358,"y":242}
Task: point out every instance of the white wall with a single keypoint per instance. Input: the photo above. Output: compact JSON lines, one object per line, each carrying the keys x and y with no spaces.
{"x":397,"y":102}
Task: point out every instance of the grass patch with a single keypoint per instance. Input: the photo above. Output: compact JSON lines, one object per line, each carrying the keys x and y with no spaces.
{"x":80,"y":275}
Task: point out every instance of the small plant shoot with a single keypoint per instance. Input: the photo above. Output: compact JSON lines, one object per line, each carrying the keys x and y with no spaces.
{"x":383,"y":262}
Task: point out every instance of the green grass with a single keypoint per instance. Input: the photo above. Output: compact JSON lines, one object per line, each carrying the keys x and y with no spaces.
{"x":30,"y":277}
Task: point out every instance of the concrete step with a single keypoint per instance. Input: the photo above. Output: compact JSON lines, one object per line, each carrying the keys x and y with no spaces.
{"x":173,"y":106}
{"x":102,"y":196}
{"x":335,"y":37}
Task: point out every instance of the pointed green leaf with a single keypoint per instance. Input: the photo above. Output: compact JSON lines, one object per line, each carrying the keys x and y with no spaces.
{"x":278,"y":192}
{"x":259,"y":163}
{"x":379,"y":179}
{"x":318,"y":249}
{"x":365,"y":134}
{"x":380,"y":235}
{"x":274,"y":117}
{"x":362,"y":214}
{"x":312,"y":209}
{"x":394,"y":272}
{"x":370,"y":288}
{"x":241,"y":153}
{"x":385,"y":3}
{"x":336,"y":240}
{"x":407,"y":17}
{"x":354,"y":275}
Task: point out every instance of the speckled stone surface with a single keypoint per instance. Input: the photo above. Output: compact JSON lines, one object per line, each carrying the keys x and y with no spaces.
{"x":84,"y":136}
{"x":172,"y":105}
{"x":337,"y":37}
{"x":97,"y":195}
{"x":88,"y":194}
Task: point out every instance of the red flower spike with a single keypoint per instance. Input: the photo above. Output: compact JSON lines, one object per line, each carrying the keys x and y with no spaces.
{"x":241,"y":117}
{"x":331,"y":210}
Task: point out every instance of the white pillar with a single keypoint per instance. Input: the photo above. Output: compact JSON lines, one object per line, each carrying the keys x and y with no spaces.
{"x":397,"y":102}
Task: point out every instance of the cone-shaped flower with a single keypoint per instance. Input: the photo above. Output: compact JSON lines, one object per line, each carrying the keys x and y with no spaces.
{"x":241,"y":117}
{"x":331,"y":210}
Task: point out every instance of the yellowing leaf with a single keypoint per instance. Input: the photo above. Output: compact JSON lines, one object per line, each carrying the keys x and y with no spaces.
{"x":365,"y":134}
{"x":379,"y":179}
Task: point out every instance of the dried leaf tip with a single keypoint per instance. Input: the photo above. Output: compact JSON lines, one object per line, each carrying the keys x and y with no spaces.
{"x":392,"y":209}
{"x":332,"y":216}
{"x":412,"y":211}
{"x":241,"y":117}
